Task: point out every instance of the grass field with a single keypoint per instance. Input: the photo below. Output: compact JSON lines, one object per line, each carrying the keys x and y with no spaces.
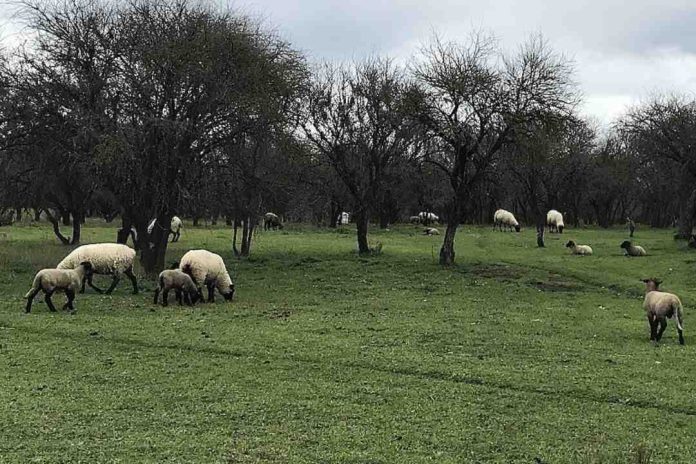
{"x":517,"y":354}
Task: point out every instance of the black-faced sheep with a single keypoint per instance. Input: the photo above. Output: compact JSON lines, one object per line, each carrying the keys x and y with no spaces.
{"x":107,"y":259}
{"x":505,"y":218}
{"x":56,"y":280}
{"x":206,"y":268}
{"x":182,"y":284}
{"x":660,"y":306}
{"x":554,"y":220}
{"x":583,"y":250}
{"x":632,"y":250}
{"x":271,"y":221}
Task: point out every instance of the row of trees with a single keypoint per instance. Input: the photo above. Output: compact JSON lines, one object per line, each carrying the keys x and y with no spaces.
{"x":150,"y":108}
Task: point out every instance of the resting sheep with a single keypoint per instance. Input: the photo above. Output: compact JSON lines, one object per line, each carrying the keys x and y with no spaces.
{"x":554,"y":220}
{"x":106,"y":259}
{"x":206,"y":268}
{"x":271,"y":221}
{"x":632,"y":250}
{"x":505,"y":218}
{"x":181,"y":283}
{"x":583,"y":250}
{"x":431,"y":231}
{"x":174,"y":228}
{"x":660,"y":306}
{"x":54,"y":280}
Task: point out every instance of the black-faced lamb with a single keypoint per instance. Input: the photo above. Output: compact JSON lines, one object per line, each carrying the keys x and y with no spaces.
{"x":206,"y":268}
{"x":505,"y":218}
{"x":58,"y":280}
{"x":660,"y":306}
{"x":107,"y":259}
{"x":632,"y":250}
{"x":583,"y":250}
{"x":182,"y":284}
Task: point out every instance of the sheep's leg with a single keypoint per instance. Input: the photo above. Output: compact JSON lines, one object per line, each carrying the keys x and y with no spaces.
{"x":70,"y":295}
{"x":187,"y":299}
{"x":49,"y":302}
{"x":114,"y":282}
{"x":681,"y":336}
{"x":157,"y":291}
{"x":131,"y":276}
{"x":165,"y":297}
{"x":30,"y":299}
{"x":663,"y":326}
{"x":91,"y":284}
{"x":653,"y":327}
{"x":177,"y":292}
{"x":211,"y":293}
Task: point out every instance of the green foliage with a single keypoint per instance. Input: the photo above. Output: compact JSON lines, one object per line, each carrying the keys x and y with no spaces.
{"x":515,"y":354}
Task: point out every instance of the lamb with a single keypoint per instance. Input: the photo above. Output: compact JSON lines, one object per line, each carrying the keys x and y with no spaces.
{"x":54,"y":280}
{"x":181,"y":283}
{"x":632,"y":250}
{"x":431,"y":231}
{"x":208,"y":268}
{"x":659,"y":306}
{"x":554,"y":220}
{"x":271,"y":221}
{"x":175,"y":227}
{"x":583,"y":250}
{"x":505,"y":218}
{"x":106,"y":259}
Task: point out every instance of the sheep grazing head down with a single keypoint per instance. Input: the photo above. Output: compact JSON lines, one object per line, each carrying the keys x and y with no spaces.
{"x":651,"y":284}
{"x":517,"y":228}
{"x":560,"y":229}
{"x":229,"y":294}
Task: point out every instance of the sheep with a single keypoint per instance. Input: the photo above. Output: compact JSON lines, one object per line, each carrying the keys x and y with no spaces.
{"x":414,"y":219}
{"x":426,"y":217}
{"x":271,"y":221}
{"x":54,"y":280}
{"x":505,"y":218}
{"x":660,"y":306}
{"x":107,"y":259}
{"x":632,"y":250}
{"x":208,"y":268}
{"x":175,"y":227}
{"x":431,"y":231}
{"x":181,"y":283}
{"x":554,"y":220}
{"x":583,"y":250}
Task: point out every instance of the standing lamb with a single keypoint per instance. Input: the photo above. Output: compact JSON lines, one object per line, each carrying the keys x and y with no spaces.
{"x":505,"y":218}
{"x":175,"y":227}
{"x":182,"y":284}
{"x":632,"y":250}
{"x":427,"y":217}
{"x":271,"y":221}
{"x":106,"y":259}
{"x":583,"y":250}
{"x":206,"y":268}
{"x":554,"y":220}
{"x":660,"y":306}
{"x":54,"y":280}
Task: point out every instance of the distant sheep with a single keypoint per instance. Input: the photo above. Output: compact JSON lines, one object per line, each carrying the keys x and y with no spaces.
{"x":426,"y":217}
{"x":181,"y":283}
{"x":175,"y":227}
{"x":632,"y":250}
{"x":106,"y":259}
{"x":554,"y":220}
{"x":56,"y":280}
{"x":505,"y":218}
{"x":271,"y":221}
{"x":583,"y":250}
{"x":414,"y":219}
{"x":206,"y":268}
{"x":431,"y":231}
{"x":660,"y":306}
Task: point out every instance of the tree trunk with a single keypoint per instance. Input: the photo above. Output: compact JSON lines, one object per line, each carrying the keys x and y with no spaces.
{"x":334,"y":211}
{"x":447,"y":249}
{"x":540,"y":227}
{"x":154,"y":250}
{"x":77,"y":221}
{"x":37,"y":214}
{"x":362,"y":220}
{"x":65,"y":217}
{"x":234,"y":237}
{"x":18,"y":214}
{"x":247,"y":234}
{"x":56,"y":228}
{"x":686,"y":216}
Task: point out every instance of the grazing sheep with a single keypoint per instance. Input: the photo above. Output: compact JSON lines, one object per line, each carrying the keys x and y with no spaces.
{"x":175,"y":227}
{"x":661,"y":306}
{"x":426,"y":217}
{"x":554,"y":220}
{"x":583,"y":250}
{"x":209,"y":269}
{"x":271,"y":221}
{"x":505,"y":218}
{"x":431,"y":231}
{"x":182,"y":284}
{"x":414,"y":219}
{"x":55,"y":280}
{"x":632,"y":250}
{"x":107,"y":259}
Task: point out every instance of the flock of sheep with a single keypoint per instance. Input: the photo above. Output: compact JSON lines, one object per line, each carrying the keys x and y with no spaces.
{"x":201,"y":267}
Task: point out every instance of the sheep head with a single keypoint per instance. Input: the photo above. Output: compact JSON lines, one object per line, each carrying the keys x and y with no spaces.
{"x":651,"y":284}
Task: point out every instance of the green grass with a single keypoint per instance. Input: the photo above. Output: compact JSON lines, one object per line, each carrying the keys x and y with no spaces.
{"x":515,"y":354}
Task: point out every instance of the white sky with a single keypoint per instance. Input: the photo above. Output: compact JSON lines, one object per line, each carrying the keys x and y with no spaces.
{"x":623,"y":51}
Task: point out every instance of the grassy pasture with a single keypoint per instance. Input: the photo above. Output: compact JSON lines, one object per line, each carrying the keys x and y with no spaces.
{"x":517,"y":354}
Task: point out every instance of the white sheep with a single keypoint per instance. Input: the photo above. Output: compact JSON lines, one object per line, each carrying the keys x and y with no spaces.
{"x":554,"y":220}
{"x":583,"y":250}
{"x":660,"y":306}
{"x":431,"y":231}
{"x":181,"y":283}
{"x":209,"y":269}
{"x":175,"y":227}
{"x":505,"y":218}
{"x":632,"y":250}
{"x":55,"y":280}
{"x":427,"y":217}
{"x":107,"y":259}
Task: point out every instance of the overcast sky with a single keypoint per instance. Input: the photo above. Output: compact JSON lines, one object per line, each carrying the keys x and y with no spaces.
{"x":623,"y":51}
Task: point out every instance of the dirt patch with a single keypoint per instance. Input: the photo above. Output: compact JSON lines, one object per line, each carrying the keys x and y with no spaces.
{"x":558,"y":283}
{"x":498,"y":271}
